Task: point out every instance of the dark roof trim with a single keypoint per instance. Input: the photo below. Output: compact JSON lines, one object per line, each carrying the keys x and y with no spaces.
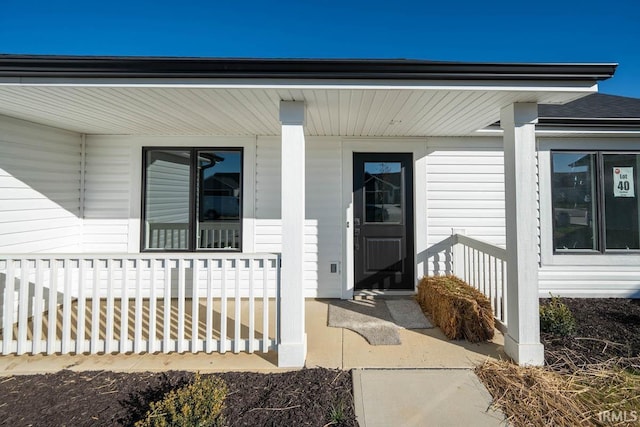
{"x":396,"y":69}
{"x":589,"y":122}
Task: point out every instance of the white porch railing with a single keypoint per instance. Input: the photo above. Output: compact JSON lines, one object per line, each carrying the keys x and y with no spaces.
{"x":481,"y":264}
{"x":215,"y":235}
{"x":138,"y":303}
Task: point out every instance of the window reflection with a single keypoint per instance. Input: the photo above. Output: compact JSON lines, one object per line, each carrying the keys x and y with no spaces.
{"x":383,"y":192}
{"x":621,"y":200}
{"x":219,"y":188}
{"x":167,"y":199}
{"x":192,"y":199}
{"x":574,"y":201}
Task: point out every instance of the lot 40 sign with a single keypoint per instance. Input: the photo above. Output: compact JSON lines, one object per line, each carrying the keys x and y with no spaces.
{"x":623,"y":182}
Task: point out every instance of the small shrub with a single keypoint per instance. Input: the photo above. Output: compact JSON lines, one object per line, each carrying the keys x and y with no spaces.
{"x":556,"y":318}
{"x":337,"y":413}
{"x":458,"y":309}
{"x":197,"y":404}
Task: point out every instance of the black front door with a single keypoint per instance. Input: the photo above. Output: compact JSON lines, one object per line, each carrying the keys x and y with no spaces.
{"x":383,"y":221}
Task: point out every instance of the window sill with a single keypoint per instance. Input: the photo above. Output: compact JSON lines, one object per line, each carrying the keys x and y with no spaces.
{"x":592,"y":259}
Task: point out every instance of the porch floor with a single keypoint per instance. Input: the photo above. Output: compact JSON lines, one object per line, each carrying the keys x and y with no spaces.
{"x":327,"y":347}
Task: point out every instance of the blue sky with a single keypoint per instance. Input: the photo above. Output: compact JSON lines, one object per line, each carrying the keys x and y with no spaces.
{"x":502,"y":31}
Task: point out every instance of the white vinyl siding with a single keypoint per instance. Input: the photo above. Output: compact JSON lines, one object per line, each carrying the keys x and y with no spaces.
{"x":602,"y":281}
{"x":39,"y":188}
{"x":107,"y":195}
{"x":465,"y":190}
{"x":323,"y":239}
{"x":323,"y":226}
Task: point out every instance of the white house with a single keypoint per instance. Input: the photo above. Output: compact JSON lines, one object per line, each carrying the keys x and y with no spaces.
{"x":132,"y":187}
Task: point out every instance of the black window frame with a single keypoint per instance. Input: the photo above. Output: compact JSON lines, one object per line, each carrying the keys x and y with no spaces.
{"x":599,"y":217}
{"x":192,"y":246}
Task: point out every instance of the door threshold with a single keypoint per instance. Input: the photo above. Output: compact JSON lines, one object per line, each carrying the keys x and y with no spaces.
{"x":379,"y":294}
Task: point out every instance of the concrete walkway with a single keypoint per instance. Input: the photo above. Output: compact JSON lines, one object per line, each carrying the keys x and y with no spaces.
{"x":422,"y":397}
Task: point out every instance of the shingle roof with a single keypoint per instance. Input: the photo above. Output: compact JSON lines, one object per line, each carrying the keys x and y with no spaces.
{"x":594,"y":106}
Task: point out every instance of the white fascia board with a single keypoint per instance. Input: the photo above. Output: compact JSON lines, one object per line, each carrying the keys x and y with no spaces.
{"x":587,"y":132}
{"x":581,"y":87}
{"x":566,"y":132}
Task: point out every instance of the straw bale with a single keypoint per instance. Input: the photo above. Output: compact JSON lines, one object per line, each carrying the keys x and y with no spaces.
{"x":459,"y":310}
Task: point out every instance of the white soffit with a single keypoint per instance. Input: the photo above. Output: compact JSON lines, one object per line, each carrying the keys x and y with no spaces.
{"x":200,"y":110}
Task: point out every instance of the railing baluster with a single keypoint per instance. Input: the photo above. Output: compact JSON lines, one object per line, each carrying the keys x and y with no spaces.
{"x":166,"y":333}
{"x":82,"y":308}
{"x":252,"y":307}
{"x":265,"y":304}
{"x":491,"y":285}
{"x":95,"y":307}
{"x":238,"y":308}
{"x":484,"y":273}
{"x":504,"y":292}
{"x":38,"y":309}
{"x":7,"y":310}
{"x":223,"y":308}
{"x":470,"y":261}
{"x":152,"y":307}
{"x":277,"y":304}
{"x":208,"y":347}
{"x":53,"y":309}
{"x":108,"y":336}
{"x":124,"y":308}
{"x":137,"y":332}
{"x":23,"y":306}
{"x":66,"y":307}
{"x":496,"y":284}
{"x":181,"y":296}
{"x":478,"y":271}
{"x":195,"y":312}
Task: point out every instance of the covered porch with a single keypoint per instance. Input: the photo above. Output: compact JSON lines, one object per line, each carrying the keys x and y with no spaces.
{"x":106,"y":112}
{"x":327,"y":347}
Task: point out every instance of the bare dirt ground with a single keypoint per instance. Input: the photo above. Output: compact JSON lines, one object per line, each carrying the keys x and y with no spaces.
{"x":298,"y":398}
{"x":606,"y":329}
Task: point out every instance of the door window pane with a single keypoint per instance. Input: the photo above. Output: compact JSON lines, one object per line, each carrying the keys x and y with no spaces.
{"x":621,"y":200}
{"x":219,"y":201}
{"x":574,"y":201}
{"x":383,"y":192}
{"x":167,"y":190}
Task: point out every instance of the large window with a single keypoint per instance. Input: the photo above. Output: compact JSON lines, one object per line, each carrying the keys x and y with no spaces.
{"x":595,"y":201}
{"x":192,"y":199}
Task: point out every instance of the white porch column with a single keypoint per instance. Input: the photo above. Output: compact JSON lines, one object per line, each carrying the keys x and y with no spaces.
{"x":292,"y":348}
{"x":522,"y":342}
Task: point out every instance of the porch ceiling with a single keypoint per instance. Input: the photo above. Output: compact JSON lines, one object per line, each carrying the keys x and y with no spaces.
{"x":333,"y":109}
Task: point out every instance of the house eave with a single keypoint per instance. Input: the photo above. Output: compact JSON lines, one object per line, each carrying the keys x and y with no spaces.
{"x":51,"y":66}
{"x":573,"y":122}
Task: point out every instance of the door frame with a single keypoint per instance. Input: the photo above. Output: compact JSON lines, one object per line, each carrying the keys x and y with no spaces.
{"x":416,"y":146}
